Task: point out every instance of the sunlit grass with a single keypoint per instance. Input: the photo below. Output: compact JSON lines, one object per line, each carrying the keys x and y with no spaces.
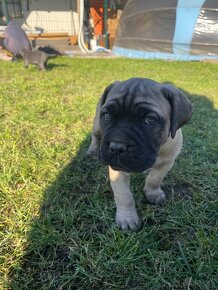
{"x":57,"y":209}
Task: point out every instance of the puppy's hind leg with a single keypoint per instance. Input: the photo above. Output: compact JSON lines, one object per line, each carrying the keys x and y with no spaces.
{"x":93,"y":147}
{"x":96,"y":134}
{"x":165,"y":160}
{"x":153,"y":192}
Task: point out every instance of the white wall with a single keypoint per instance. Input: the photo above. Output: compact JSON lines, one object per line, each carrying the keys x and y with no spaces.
{"x":51,"y":16}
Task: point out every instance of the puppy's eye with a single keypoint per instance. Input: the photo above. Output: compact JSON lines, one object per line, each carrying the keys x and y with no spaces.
{"x":151,"y":120}
{"x":107,"y":117}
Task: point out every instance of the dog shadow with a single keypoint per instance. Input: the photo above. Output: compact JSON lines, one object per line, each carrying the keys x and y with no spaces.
{"x":204,"y":113}
{"x":78,"y":206}
{"x":51,"y":66}
{"x":66,"y":212}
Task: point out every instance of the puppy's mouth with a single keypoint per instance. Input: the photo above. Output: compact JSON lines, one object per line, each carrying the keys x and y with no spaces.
{"x":130,"y":167}
{"x":119,"y":167}
{"x":131,"y":159}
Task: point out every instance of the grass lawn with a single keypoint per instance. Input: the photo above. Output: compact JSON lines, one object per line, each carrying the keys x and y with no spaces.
{"x":57,"y":227}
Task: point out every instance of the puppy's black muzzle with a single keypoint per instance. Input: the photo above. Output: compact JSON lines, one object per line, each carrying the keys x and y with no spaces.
{"x":127,"y":150}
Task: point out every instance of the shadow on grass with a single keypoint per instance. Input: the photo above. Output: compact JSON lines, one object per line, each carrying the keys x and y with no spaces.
{"x":68,"y":217}
{"x":77,"y":216}
{"x":51,"y":65}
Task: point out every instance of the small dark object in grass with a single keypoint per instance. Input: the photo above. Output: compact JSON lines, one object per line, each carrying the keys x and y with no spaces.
{"x":37,"y":57}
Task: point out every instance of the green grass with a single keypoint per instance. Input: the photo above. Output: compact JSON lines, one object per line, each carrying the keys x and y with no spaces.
{"x":57,"y":227}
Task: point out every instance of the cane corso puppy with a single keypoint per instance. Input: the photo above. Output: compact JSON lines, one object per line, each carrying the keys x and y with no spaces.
{"x":137,"y":127}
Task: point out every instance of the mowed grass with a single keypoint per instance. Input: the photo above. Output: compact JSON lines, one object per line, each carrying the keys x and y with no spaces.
{"x":57,"y":228}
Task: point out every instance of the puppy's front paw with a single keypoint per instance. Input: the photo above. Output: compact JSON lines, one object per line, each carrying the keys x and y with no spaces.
{"x":156,"y":198}
{"x":128,"y":221}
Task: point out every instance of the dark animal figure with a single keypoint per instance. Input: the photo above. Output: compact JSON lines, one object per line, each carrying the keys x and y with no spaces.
{"x":15,"y":39}
{"x":37,"y":57}
{"x":51,"y":50}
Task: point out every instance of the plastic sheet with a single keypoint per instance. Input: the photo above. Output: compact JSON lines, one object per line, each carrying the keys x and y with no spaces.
{"x":183,"y":28}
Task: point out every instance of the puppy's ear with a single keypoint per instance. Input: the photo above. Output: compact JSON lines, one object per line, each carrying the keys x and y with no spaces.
{"x":105,"y":93}
{"x":96,"y":130}
{"x":181,"y":109}
{"x":96,"y":126}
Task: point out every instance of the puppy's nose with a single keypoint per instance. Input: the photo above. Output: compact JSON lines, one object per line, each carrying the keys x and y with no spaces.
{"x":117,"y":148}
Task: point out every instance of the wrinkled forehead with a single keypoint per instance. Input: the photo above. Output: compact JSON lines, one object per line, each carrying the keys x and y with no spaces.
{"x":148,"y":95}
